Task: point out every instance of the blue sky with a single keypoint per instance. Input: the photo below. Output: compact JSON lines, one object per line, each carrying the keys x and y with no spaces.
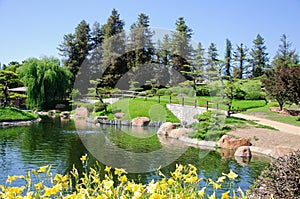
{"x":35,"y":28}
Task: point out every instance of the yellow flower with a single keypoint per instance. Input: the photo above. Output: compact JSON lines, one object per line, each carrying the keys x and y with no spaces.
{"x":201,"y":192}
{"x":119,"y":171}
{"x":107,"y":169}
{"x":152,"y":187}
{"x":156,"y":196}
{"x":232,"y":175}
{"x":83,"y":158}
{"x":42,"y":169}
{"x":217,"y":186}
{"x":212,"y":196}
{"x":192,"y":179}
{"x":225,"y":195}
{"x":171,"y":181}
{"x":39,"y":185}
{"x":123,"y":178}
{"x":221,"y":179}
{"x":108,"y":184}
{"x":10,"y":179}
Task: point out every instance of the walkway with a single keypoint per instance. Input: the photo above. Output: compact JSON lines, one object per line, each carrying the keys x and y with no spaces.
{"x":186,"y":113}
{"x":285,"y":128}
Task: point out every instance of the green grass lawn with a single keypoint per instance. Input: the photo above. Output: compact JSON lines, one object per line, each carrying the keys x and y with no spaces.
{"x":13,"y":114}
{"x":139,"y":107}
{"x":201,"y":101}
{"x":266,"y":113}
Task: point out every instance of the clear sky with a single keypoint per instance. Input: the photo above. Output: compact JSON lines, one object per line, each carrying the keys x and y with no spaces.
{"x":35,"y":28}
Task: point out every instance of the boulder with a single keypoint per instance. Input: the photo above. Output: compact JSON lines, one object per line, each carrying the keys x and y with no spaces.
{"x":60,"y":106}
{"x":52,"y":113}
{"x":65,"y":114}
{"x":243,"y":151}
{"x":81,"y":112}
{"x":176,"y":133}
{"x":119,"y":115}
{"x":166,"y":128}
{"x":232,"y":143}
{"x":140,"y":121}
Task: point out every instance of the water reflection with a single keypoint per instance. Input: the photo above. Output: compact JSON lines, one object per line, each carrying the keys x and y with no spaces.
{"x":58,"y":143}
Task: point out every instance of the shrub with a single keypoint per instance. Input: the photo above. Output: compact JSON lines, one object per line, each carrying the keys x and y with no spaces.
{"x":99,"y":106}
{"x":249,"y":89}
{"x":202,"y":90}
{"x":280,"y":180}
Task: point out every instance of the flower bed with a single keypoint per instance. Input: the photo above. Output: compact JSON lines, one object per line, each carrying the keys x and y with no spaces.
{"x":183,"y":183}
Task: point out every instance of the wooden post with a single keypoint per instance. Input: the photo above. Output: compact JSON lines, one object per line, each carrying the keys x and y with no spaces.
{"x":182,"y":101}
{"x":217,"y":106}
{"x":159,"y":99}
{"x":170,"y":99}
{"x":206,"y":105}
{"x":195,"y":103}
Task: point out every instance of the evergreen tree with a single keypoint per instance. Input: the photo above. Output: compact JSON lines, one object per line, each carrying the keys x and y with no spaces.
{"x":75,"y":48}
{"x":97,"y":35}
{"x":228,"y":59}
{"x":181,"y":47}
{"x":163,"y":51}
{"x":240,"y":57}
{"x":140,"y":42}
{"x":113,"y":49}
{"x":285,"y":57}
{"x":212,"y":62}
{"x":259,"y":57}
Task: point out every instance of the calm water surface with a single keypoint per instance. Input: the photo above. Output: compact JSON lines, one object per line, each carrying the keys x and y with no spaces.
{"x":59,"y":143}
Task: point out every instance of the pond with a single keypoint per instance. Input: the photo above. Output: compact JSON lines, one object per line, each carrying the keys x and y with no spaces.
{"x":62,"y":143}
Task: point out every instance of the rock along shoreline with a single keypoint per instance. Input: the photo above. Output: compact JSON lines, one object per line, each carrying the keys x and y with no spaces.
{"x":19,"y":123}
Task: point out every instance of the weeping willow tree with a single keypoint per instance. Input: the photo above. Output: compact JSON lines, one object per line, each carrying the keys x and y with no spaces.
{"x":45,"y":80}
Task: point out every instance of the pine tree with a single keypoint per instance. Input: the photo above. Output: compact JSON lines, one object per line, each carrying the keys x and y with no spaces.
{"x":163,"y":51}
{"x":113,"y":50}
{"x":97,"y":35}
{"x":181,"y":47}
{"x":212,"y":62}
{"x":228,"y":59}
{"x":259,"y":57}
{"x":75,"y":48}
{"x":140,"y":42}
{"x":240,"y":57}
{"x":285,"y":57}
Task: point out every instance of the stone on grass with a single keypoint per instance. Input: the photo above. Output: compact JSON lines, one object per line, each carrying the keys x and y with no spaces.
{"x":140,"y":121}
{"x":119,"y":115}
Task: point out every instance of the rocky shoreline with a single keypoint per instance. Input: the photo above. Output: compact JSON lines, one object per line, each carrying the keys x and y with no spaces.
{"x":19,"y":123}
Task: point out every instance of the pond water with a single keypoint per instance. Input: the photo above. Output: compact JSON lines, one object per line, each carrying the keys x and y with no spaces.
{"x":62,"y":143}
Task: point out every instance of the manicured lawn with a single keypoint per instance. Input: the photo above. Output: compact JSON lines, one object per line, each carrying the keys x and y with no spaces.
{"x":13,"y":114}
{"x":266,"y":113}
{"x":241,"y":105}
{"x":138,"y":107}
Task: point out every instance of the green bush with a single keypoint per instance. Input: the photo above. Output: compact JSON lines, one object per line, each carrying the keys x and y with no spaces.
{"x":249,"y":89}
{"x":99,"y":106}
{"x":202,"y":90}
{"x":280,"y":180}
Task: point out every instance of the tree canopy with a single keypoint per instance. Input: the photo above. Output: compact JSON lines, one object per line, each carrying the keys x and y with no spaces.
{"x":45,"y":80}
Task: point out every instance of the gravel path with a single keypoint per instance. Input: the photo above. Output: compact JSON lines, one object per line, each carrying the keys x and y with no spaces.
{"x":282,"y":127}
